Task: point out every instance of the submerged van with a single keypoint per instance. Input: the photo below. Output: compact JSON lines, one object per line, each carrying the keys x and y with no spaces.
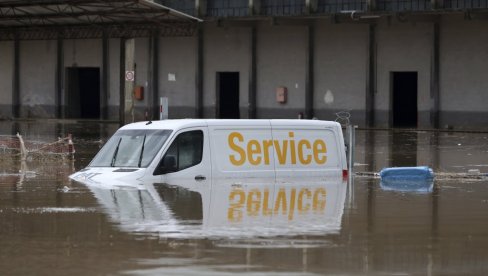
{"x":192,"y":152}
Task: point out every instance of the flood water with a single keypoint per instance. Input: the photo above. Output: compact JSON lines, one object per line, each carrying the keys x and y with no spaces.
{"x":50,"y":225}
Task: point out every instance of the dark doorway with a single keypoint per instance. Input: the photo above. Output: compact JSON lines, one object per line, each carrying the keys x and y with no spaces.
{"x":228,"y":95}
{"x":404,"y":92}
{"x":83,"y":92}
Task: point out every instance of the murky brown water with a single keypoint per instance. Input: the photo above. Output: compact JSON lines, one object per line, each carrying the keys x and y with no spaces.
{"x":50,"y":225}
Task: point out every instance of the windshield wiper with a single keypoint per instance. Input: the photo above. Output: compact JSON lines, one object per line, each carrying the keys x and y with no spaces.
{"x":142,"y":151}
{"x":115,"y":153}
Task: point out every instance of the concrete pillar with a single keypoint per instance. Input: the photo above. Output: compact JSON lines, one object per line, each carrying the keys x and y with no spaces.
{"x":311,"y":6}
{"x":201,"y":8}
{"x":104,"y":83}
{"x":154,"y":83}
{"x":254,"y":7}
{"x":437,"y":4}
{"x":252,"y":75}
{"x":122,"y":81}
{"x":59,"y":78}
{"x":201,"y":11}
{"x":434,"y":80}
{"x":199,"y":74}
{"x":371,"y":5}
{"x":129,"y":84}
{"x":309,"y":72}
{"x":16,"y":79}
{"x":126,"y":105}
{"x":371,"y":79}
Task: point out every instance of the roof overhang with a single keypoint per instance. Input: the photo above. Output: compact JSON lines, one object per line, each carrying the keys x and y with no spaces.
{"x":53,"y":19}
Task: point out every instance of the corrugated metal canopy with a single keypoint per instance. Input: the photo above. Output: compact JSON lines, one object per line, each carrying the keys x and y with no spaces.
{"x":50,"y":19}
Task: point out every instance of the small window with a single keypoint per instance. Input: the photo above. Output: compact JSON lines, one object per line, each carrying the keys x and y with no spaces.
{"x":185,"y":151}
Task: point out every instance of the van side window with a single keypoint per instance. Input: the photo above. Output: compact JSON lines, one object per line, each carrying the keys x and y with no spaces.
{"x":185,"y":151}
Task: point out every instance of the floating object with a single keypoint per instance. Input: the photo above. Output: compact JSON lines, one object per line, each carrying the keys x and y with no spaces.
{"x":407,"y":179}
{"x":16,"y":145}
{"x":474,"y":172}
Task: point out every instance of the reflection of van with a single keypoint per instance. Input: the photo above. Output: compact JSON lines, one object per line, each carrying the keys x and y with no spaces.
{"x":227,"y":210}
{"x":197,"y":151}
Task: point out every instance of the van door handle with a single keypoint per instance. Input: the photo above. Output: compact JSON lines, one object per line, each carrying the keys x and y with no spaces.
{"x":200,"y":178}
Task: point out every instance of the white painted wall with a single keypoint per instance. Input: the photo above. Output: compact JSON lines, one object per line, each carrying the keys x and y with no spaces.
{"x":37,"y":74}
{"x":83,"y":53}
{"x":226,"y":49}
{"x":141,"y":57}
{"x":464,"y":65}
{"x":403,"y":47}
{"x":6,"y":73}
{"x":341,"y":56}
{"x":281,"y":61}
{"x":114,"y":72}
{"x":177,"y":56}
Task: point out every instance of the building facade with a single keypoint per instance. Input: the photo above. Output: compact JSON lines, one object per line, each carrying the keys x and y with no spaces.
{"x":392,"y":63}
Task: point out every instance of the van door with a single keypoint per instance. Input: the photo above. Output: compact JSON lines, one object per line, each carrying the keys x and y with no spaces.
{"x":242,"y":153}
{"x":186,"y":162}
{"x":305,"y":152}
{"x":243,"y":173}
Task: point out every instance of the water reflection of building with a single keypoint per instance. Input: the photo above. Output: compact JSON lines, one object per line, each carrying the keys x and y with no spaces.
{"x":452,"y":152}
{"x":15,"y":172}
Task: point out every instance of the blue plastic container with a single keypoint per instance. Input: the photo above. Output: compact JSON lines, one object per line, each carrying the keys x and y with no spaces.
{"x":407,"y":179}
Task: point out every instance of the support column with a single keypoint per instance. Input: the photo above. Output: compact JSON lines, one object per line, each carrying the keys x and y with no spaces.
{"x":122,"y":82}
{"x":126,"y":104}
{"x":201,"y":8}
{"x":59,"y":78}
{"x":16,"y":79}
{"x":434,"y":81}
{"x":129,"y":84}
{"x":254,"y":7}
{"x":371,"y":5}
{"x":311,"y":6}
{"x":105,"y":77}
{"x":199,"y":74}
{"x":437,"y":4}
{"x":155,"y":74}
{"x":371,"y":81}
{"x":309,"y":74}
{"x":252,"y":75}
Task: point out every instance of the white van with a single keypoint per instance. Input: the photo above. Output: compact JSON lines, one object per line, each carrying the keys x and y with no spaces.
{"x":193,"y":152}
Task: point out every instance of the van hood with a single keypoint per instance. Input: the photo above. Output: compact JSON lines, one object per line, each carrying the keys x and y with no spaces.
{"x":112,"y":176}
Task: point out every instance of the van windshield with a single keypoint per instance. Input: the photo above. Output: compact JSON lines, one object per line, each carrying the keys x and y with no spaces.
{"x":131,"y":148}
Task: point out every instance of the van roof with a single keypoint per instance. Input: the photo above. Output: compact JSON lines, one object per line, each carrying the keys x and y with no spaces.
{"x":185,"y":123}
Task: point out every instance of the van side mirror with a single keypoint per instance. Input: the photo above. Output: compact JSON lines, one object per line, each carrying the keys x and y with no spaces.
{"x":167,"y":165}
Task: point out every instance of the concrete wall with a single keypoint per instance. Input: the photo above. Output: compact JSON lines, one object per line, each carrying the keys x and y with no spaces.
{"x":177,"y":56}
{"x":225,"y":50}
{"x":403,"y":47}
{"x":281,"y":61}
{"x":340,"y":66}
{"x":113,"y":79}
{"x":83,"y":53}
{"x":141,"y":56}
{"x":37,"y":78}
{"x":341,"y":55}
{"x":464,"y":64}
{"x":6,"y":75}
